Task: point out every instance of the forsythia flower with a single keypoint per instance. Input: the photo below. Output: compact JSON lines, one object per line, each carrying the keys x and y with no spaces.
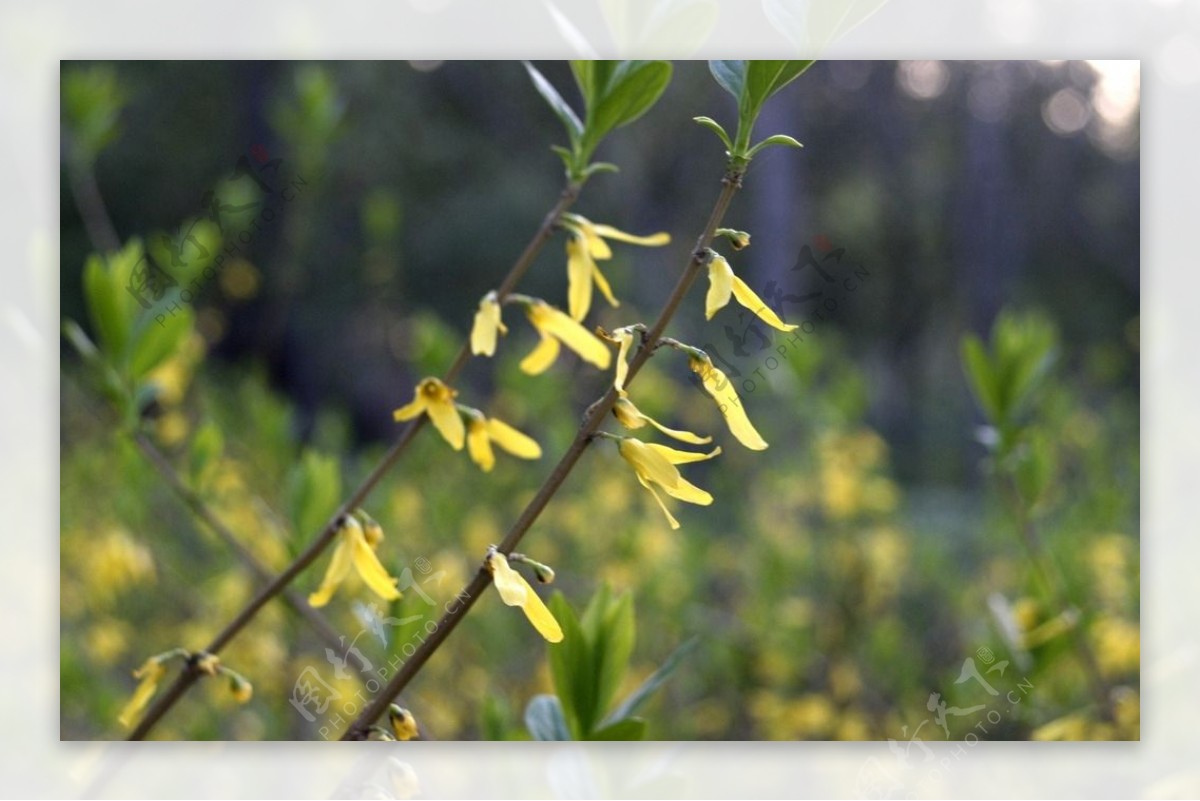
{"x":553,"y":327}
{"x":356,"y":550}
{"x":515,"y":591}
{"x":584,"y":248}
{"x":404,"y":725}
{"x":483,"y":431}
{"x":721,"y":389}
{"x":150,"y":673}
{"x":655,"y":464}
{"x":242,"y":690}
{"x":487,"y":326}
{"x":624,"y":339}
{"x":722,"y":284}
{"x":437,"y":400}
{"x":633,"y":418}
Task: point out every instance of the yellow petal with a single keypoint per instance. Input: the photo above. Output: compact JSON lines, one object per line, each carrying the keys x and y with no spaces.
{"x":374,"y":575}
{"x":745,"y":296}
{"x":605,"y":289}
{"x":720,"y":285}
{"x":487,"y":326}
{"x":658,"y":499}
{"x":627,"y":414}
{"x":648,"y":464}
{"x":512,"y":588}
{"x":513,"y":441}
{"x":410,"y":410}
{"x":150,"y":673}
{"x":339,"y":566}
{"x":541,"y":357}
{"x":651,"y":241}
{"x":683,"y":457}
{"x":404,"y":725}
{"x":579,"y":278}
{"x":541,"y":617}
{"x":445,"y":417}
{"x":682,"y":436}
{"x":721,"y":389}
{"x":550,"y":320}
{"x":684,"y":490}
{"x":625,"y":338}
{"x":479,"y":446}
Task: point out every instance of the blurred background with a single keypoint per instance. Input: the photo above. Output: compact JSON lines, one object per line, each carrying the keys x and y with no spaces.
{"x":841,"y":579}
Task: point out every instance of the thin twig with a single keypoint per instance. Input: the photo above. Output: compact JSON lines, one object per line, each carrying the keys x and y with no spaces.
{"x":188,"y":676}
{"x":457,"y":609}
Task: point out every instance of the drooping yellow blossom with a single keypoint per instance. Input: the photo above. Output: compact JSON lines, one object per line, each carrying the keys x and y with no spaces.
{"x":437,"y":400}
{"x":483,"y":431}
{"x":655,"y":464}
{"x":150,"y":674}
{"x":487,"y":326}
{"x":404,"y":725}
{"x":354,"y":550}
{"x":718,"y":385}
{"x":515,"y":591}
{"x":585,"y":247}
{"x":624,"y":337}
{"x":553,"y":327}
{"x":722,"y":284}
{"x":633,"y":418}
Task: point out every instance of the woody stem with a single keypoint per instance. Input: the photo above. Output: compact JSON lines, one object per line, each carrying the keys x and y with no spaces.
{"x":319,"y":543}
{"x":457,"y":608}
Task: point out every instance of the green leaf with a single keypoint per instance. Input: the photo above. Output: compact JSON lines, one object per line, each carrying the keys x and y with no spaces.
{"x":731,"y":75}
{"x":544,"y":719}
{"x":105,"y":308}
{"x":82,"y":343}
{"x":978,"y":368}
{"x":612,"y":648}
{"x":632,"y":89}
{"x":584,"y":71}
{"x":627,"y":729}
{"x":765,"y":78}
{"x":314,"y":489}
{"x":715,"y":127}
{"x":571,"y":667}
{"x":154,"y":340}
{"x":557,"y":104}
{"x":777,"y":139}
{"x":648,"y":687}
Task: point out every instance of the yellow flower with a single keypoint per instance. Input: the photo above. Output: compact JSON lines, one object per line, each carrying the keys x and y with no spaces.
{"x":150,"y":673}
{"x":437,"y":400}
{"x":655,"y":464}
{"x":633,"y":418}
{"x":354,"y":550}
{"x":721,"y":389}
{"x":553,"y":327}
{"x":515,"y":591}
{"x":487,"y":325}
{"x":624,"y":338}
{"x":404,"y":725}
{"x":585,"y":246}
{"x":722,"y":284}
{"x":483,"y":431}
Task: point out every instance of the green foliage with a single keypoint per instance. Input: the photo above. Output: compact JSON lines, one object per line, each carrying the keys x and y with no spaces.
{"x":752,"y":83}
{"x":588,"y":667}
{"x":615,"y":93}
{"x":314,"y":490}
{"x":92,"y":101}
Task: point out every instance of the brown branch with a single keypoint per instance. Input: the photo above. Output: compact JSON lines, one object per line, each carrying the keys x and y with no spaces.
{"x":189,"y":675}
{"x":596,"y":413}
